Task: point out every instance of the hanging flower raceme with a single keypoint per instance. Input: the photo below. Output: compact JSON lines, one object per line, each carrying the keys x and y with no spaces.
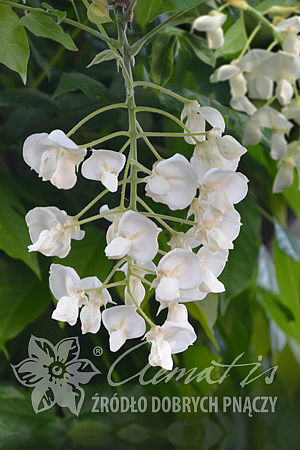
{"x":212,"y":25}
{"x":173,"y":182}
{"x":53,"y":157}
{"x":51,"y":231}
{"x":122,"y":323}
{"x":104,"y":166}
{"x":136,"y":236}
{"x":73,"y":293}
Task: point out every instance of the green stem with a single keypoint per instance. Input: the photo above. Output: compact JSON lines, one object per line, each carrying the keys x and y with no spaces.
{"x":141,"y":167}
{"x":114,"y":270}
{"x":94,"y":114}
{"x":105,"y":138}
{"x":162,"y":89}
{"x":259,"y":16}
{"x":148,"y":143}
{"x":75,"y":10}
{"x":166,"y":114}
{"x":249,"y":40}
{"x":97,"y":217}
{"x":171,"y":218}
{"x":175,"y":135}
{"x":71,"y":22}
{"x":161,"y":221}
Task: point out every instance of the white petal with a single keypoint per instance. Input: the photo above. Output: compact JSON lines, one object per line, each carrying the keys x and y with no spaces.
{"x":63,"y":280}
{"x":230,"y":148}
{"x":225,"y":72}
{"x":279,"y":146}
{"x":235,"y":184}
{"x":48,"y":245}
{"x":66,"y":310}
{"x":213,"y":262}
{"x":291,"y":44}
{"x":238,"y":85}
{"x":284,"y":178}
{"x":158,"y":185}
{"x":177,"y":313}
{"x":104,"y":166}
{"x":90,"y":317}
{"x":213,"y":117}
{"x":64,"y":176}
{"x":179,"y":335}
{"x":183,"y":265}
{"x":293,"y":22}
{"x":259,"y":87}
{"x":160,"y":354}
{"x":117,"y":339}
{"x":243,"y":104}
{"x":211,"y":284}
{"x":209,"y":22}
{"x":118,"y":248}
{"x":168,"y":289}
{"x":252,"y":134}
{"x":59,"y":138}
{"x":215,"y":39}
{"x":284,"y":92}
{"x":41,"y":218}
{"x":33,"y":150}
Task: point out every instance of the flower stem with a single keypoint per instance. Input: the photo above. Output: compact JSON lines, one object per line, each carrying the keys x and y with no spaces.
{"x":162,"y":89}
{"x":171,"y":218}
{"x":94,"y":114}
{"x":259,"y":16}
{"x":114,"y":270}
{"x":174,"y":135}
{"x":161,"y":221}
{"x":98,"y":216}
{"x":148,"y":143}
{"x":141,"y":167}
{"x":104,"y":139}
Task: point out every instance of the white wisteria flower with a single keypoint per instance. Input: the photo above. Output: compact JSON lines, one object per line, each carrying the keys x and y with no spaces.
{"x":214,"y":229}
{"x":223,"y":188}
{"x":258,"y":85}
{"x":172,"y":337}
{"x":266,"y":117}
{"x":196,"y":117}
{"x":54,"y":157}
{"x":51,"y":231}
{"x":292,"y":111}
{"x":136,"y":236}
{"x":122,"y":323}
{"x":104,"y":166}
{"x":216,"y":152}
{"x":290,"y":28}
{"x":134,"y":293}
{"x":284,"y":68}
{"x":212,"y":25}
{"x":173,"y":181}
{"x":212,"y":265}
{"x":179,"y":269}
{"x":73,"y":293}
{"x":285,"y":176}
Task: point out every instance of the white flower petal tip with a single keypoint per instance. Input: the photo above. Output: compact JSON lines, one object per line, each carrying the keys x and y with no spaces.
{"x":211,"y":24}
{"x":53,"y":157}
{"x":51,"y":231}
{"x":136,"y":236}
{"x":104,"y":166}
{"x":122,"y":323}
{"x":178,"y":269}
{"x":233,"y":184}
{"x":173,"y":182}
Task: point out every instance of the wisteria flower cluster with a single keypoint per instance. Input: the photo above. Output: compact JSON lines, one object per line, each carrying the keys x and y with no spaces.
{"x":264,"y":85}
{"x":207,"y":187}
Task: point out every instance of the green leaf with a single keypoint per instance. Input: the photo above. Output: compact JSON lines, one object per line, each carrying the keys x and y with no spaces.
{"x":288,"y":242}
{"x":266,"y":275}
{"x":199,"y":46}
{"x":98,"y":15}
{"x":162,"y":58}
{"x":234,"y":40}
{"x":31,"y":98}
{"x":88,"y":433}
{"x":72,"y":81}
{"x":105,"y":55}
{"x":157,"y":7}
{"x":60,"y":15}
{"x":23,"y":298}
{"x":14,"y":237}
{"x":14,"y":48}
{"x":242,"y":262}
{"x":44,"y":26}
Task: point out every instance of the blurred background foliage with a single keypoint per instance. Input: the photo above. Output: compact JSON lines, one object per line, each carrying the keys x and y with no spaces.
{"x":259,"y":314}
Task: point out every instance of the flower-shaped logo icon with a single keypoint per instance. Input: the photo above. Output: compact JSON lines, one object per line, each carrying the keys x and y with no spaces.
{"x":55,"y":374}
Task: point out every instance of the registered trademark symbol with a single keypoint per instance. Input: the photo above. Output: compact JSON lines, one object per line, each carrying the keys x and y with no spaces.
{"x":98,"y":351}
